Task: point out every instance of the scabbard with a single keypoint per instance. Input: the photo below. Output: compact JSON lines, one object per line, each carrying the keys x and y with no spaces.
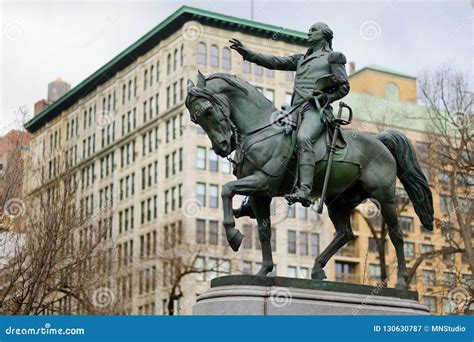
{"x":332,"y":148}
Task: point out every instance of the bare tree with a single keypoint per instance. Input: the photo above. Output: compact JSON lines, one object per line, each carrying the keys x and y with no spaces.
{"x":180,"y":259}
{"x":449,"y":105}
{"x":56,"y":251}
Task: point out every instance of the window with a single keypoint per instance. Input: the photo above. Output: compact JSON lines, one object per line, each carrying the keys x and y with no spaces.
{"x":426,"y":248}
{"x":201,"y":158}
{"x":291,"y":272}
{"x":444,"y":177}
{"x":391,"y":91}
{"x":406,"y":223}
{"x":303,"y":273}
{"x":302,"y":212}
{"x":226,"y":58}
{"x":213,"y":232}
{"x":373,"y":245}
{"x":345,"y":271}
{"x":288,"y":97}
{"x":314,"y":244}
{"x":429,"y":277}
{"x":200,"y":231}
{"x":449,"y":306}
{"x":374,"y":271}
{"x":247,"y":267}
{"x":168,"y":64}
{"x":303,"y":240}
{"x":270,"y":94}
{"x":291,"y":211}
{"x":449,"y":258}
{"x":247,"y":242}
{"x":258,"y":70}
{"x":226,"y":168}
{"x":202,"y":54}
{"x":409,"y":248}
{"x":201,"y":193}
{"x":213,"y":161}
{"x":214,"y":56}
{"x":246,"y":67}
{"x":270,"y":73}
{"x":445,"y":203}
{"x":292,"y":241}
{"x":430,"y":302}
{"x":289,"y":76}
{"x":175,"y":59}
{"x":213,"y":196}
{"x":145,"y":79}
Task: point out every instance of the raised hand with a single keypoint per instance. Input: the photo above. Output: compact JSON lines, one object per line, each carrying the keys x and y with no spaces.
{"x":239,"y":47}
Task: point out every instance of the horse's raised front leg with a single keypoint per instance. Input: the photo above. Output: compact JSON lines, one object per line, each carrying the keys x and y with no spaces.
{"x":251,"y":185}
{"x":261,"y":208}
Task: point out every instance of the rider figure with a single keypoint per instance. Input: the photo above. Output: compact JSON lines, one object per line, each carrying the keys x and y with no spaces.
{"x":320,"y":60}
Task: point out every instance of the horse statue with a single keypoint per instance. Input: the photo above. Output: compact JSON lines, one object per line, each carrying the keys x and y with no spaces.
{"x":237,"y":117}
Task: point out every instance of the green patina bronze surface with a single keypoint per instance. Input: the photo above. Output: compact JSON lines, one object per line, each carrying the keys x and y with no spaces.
{"x":285,"y":153}
{"x":308,"y":284}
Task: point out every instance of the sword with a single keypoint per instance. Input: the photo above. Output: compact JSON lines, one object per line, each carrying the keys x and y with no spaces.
{"x":332,"y":148}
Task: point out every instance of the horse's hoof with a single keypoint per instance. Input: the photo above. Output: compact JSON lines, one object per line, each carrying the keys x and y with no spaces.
{"x":400,"y":286}
{"x":235,"y":240}
{"x":318,"y":275}
{"x":264,"y":271}
{"x":237,"y":212}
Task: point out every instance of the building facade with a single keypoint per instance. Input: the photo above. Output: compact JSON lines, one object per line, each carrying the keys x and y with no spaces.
{"x":127,"y":134}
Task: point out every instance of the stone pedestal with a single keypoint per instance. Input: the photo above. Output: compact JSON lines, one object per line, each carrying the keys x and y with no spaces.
{"x":251,"y":295}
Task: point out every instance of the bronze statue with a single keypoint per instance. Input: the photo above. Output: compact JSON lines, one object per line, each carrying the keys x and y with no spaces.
{"x":237,"y":117}
{"x":314,"y":108}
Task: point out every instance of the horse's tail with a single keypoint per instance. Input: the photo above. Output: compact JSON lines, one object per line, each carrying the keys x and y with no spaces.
{"x":410,"y":174}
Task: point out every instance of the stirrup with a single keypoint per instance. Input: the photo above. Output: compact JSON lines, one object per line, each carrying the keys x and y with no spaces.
{"x":297,"y":197}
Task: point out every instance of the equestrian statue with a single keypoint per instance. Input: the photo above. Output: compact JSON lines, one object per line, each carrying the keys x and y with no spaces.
{"x":302,"y":153}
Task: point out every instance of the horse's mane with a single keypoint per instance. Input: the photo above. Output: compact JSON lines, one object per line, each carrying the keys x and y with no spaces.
{"x":210,"y":91}
{"x":231,"y":80}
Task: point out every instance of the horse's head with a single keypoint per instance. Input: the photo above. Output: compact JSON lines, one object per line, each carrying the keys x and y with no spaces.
{"x":212,"y":113}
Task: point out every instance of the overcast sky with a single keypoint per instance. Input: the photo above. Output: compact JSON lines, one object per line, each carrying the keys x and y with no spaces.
{"x":43,"y":40}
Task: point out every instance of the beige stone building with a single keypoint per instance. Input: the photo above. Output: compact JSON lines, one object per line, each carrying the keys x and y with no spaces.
{"x":127,"y":133}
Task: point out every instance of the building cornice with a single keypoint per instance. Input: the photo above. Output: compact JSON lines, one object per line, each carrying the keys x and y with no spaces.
{"x":147,"y":42}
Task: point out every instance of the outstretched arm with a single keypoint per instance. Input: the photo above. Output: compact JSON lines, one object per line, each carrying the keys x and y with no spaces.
{"x":265,"y":60}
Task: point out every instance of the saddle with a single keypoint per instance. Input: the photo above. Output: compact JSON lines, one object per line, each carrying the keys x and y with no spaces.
{"x":290,"y":120}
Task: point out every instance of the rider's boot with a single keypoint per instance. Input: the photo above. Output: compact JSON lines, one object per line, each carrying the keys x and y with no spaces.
{"x":302,"y":193}
{"x":305,"y":174}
